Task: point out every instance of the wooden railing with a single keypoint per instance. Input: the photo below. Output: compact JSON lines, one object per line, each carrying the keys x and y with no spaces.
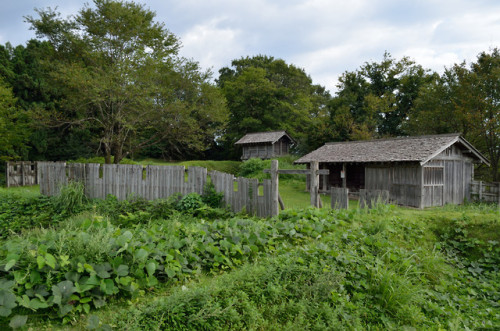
{"x":485,"y":191}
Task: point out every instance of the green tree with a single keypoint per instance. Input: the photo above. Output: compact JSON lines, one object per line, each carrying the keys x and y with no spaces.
{"x":13,"y":126}
{"x":119,"y":71}
{"x":264,"y":93}
{"x":467,"y":100}
{"x":376,"y":99}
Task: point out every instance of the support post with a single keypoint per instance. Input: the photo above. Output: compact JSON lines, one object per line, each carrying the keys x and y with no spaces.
{"x":480,"y":190}
{"x":344,"y":179}
{"x":7,"y":180}
{"x":23,"y":174}
{"x":274,"y":188}
{"x":314,"y":184}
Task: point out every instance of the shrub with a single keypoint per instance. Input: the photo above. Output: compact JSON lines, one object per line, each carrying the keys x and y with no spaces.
{"x":211,"y":197}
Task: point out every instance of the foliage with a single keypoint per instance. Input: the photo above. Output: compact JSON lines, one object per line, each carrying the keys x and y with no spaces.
{"x":465,"y":100}
{"x":121,"y":77}
{"x":264,"y":93}
{"x":13,"y":126}
{"x":361,"y":271}
{"x":254,"y":167}
{"x":20,"y":212}
{"x":310,"y":268}
{"x":71,"y":199}
{"x":375,"y":99}
{"x":211,"y":197}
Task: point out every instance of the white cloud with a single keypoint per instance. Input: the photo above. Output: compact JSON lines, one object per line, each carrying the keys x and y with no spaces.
{"x":211,"y":45}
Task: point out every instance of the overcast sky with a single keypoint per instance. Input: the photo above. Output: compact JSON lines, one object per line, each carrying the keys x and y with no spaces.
{"x":324,"y":37}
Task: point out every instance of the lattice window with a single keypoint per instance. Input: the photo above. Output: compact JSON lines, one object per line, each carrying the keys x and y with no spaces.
{"x":433,"y":175}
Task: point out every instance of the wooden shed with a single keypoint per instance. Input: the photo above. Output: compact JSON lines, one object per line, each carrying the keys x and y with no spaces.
{"x":420,"y":171}
{"x":265,"y":145}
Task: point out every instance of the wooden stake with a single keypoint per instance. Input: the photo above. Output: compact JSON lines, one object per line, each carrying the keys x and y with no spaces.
{"x":314,"y":184}
{"x":274,"y":188}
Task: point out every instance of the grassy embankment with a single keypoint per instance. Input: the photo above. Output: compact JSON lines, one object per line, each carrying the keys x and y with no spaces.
{"x":184,"y":265}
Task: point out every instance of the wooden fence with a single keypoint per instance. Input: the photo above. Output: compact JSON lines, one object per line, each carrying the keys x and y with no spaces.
{"x":485,"y":191}
{"x":340,"y":197}
{"x":21,"y":173}
{"x":155,"y":182}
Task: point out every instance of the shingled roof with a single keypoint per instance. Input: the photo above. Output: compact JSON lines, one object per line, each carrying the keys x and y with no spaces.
{"x":263,"y":137}
{"x":409,"y":149}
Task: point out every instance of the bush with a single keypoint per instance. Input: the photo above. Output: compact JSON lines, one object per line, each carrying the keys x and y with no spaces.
{"x":211,"y":197}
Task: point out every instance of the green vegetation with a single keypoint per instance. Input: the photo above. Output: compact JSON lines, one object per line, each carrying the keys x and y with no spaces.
{"x":184,"y":263}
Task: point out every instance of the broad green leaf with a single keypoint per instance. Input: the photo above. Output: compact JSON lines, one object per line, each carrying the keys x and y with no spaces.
{"x":66,"y":288}
{"x":141,"y":254}
{"x":18,"y":321}
{"x":102,"y":270}
{"x":40,"y":260}
{"x":36,"y":304}
{"x":151,"y":268}
{"x":50,"y":260}
{"x":10,"y":264}
{"x":122,"y":270}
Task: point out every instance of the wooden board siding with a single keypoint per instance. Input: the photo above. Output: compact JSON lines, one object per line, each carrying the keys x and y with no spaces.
{"x":155,"y":182}
{"x":403,"y":181}
{"x":266,"y":150}
{"x":457,"y":177}
{"x":261,"y":151}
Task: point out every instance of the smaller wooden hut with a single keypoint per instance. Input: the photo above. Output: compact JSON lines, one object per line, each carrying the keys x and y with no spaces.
{"x":419,"y":171}
{"x":265,"y":145}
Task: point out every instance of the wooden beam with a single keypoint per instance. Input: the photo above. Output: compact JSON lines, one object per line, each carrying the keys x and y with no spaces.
{"x":314,"y":183}
{"x":274,"y":188}
{"x":298,"y":171}
{"x":344,"y":179}
{"x":282,"y":204}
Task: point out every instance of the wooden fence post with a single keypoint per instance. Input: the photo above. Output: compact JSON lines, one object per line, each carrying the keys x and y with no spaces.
{"x":274,"y":188}
{"x":314,"y":184}
{"x":480,"y":190}
{"x":7,"y":180}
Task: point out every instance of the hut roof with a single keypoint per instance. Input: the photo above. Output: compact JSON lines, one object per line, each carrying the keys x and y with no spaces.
{"x":263,"y":137}
{"x":409,"y":149}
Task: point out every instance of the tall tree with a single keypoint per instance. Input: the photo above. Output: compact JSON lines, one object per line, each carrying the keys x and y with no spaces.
{"x":114,"y":65}
{"x":264,"y":93}
{"x":13,"y":126}
{"x":376,"y":99}
{"x":465,"y":99}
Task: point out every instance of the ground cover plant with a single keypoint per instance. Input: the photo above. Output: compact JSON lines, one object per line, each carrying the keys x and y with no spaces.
{"x":183,"y":264}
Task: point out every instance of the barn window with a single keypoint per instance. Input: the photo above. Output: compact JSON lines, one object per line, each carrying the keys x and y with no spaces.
{"x":433,"y":176}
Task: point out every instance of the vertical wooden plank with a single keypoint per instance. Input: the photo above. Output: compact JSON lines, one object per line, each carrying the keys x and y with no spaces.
{"x":339,"y":197}
{"x":253,"y":192}
{"x":344,"y":179}
{"x":274,"y":188}
{"x":314,"y":184}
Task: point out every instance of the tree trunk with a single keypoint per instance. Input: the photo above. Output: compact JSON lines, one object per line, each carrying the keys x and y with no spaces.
{"x":107,"y":154}
{"x":118,"y":154}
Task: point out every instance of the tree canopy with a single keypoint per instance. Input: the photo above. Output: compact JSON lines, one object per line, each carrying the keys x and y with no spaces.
{"x":121,"y":78}
{"x":264,"y":94}
{"x":464,"y":99}
{"x":376,"y":99}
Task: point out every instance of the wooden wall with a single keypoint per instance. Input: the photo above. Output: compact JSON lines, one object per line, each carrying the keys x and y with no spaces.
{"x":155,"y":182}
{"x":266,"y":150}
{"x":448,"y":178}
{"x":402,"y":180}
